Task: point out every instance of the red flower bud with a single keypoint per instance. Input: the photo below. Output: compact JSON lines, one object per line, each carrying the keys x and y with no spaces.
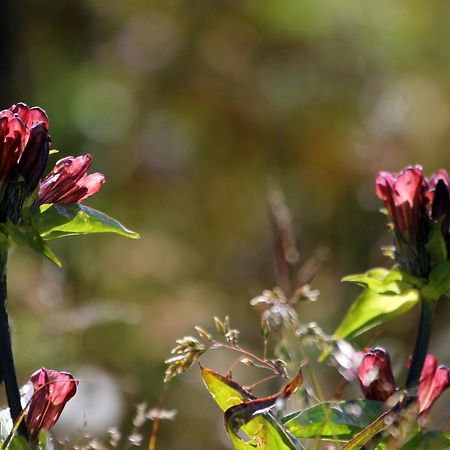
{"x":433,"y":381}
{"x":68,"y":182}
{"x":375,"y":375}
{"x":403,"y":195}
{"x":52,"y":390}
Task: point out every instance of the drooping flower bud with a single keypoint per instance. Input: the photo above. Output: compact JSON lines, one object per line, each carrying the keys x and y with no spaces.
{"x":433,"y":381}
{"x":52,"y":390}
{"x":375,"y":375}
{"x":69,"y":182}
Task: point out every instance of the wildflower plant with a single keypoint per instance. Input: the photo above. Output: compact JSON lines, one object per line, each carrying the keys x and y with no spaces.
{"x":34,"y":209}
{"x":389,"y":413}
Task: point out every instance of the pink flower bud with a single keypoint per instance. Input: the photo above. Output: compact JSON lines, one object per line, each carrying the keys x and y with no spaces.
{"x":375,"y":375}
{"x":52,"y":390}
{"x":433,"y":381}
{"x":69,"y":182}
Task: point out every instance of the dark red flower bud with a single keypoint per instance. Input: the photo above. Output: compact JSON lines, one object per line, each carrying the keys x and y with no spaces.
{"x":52,"y":390}
{"x":375,"y":375}
{"x":433,"y":381}
{"x":69,"y":182}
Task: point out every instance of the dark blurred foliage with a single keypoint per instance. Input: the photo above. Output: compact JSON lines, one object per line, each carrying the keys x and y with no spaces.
{"x":191,"y":109}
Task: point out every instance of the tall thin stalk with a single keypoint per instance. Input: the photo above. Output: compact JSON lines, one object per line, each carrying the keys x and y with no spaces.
{"x":422,"y":341}
{"x":7,"y":369}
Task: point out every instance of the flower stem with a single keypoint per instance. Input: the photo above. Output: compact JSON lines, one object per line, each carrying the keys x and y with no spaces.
{"x":7,"y":369}
{"x":422,"y":341}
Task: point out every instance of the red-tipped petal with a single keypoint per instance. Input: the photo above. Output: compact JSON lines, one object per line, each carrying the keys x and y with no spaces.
{"x":408,"y":186}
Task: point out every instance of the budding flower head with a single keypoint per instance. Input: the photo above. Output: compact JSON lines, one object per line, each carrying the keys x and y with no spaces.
{"x":375,"y":375}
{"x":69,"y":182}
{"x":52,"y":390}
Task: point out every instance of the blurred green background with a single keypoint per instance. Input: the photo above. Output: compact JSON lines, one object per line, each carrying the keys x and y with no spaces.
{"x":190,"y":108}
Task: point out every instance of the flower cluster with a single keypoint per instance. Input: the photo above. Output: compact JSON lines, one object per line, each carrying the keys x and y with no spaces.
{"x":378,"y":383}
{"x":24,"y":152}
{"x":415,"y":204}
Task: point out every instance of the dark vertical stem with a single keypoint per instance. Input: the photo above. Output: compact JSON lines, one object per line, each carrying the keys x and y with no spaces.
{"x":7,"y":369}
{"x":422,"y":341}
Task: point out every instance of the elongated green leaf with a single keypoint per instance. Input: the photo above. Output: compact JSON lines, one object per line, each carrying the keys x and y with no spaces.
{"x":371,"y":279}
{"x":371,"y":309}
{"x":29,"y":236}
{"x":263,"y":431}
{"x":335,"y":421}
{"x":55,"y":221}
{"x":432,"y":440}
{"x":383,"y":281}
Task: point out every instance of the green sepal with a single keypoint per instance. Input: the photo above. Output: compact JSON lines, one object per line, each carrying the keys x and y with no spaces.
{"x":43,"y":439}
{"x":27,"y":235}
{"x":333,"y":421}
{"x":59,"y":220}
{"x":436,"y":246}
{"x":438,"y":282}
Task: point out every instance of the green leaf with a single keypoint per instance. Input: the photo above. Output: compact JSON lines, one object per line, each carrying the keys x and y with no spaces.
{"x":439,"y":281}
{"x":264,"y":431}
{"x":29,"y":236}
{"x":372,"y":279}
{"x":371,"y":309}
{"x":58,"y":220}
{"x":335,"y":421}
{"x":436,"y":246}
{"x":432,"y":440}
{"x":359,"y":440}
{"x":383,"y":281}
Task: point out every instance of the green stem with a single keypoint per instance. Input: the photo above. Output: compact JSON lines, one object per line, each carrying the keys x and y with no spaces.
{"x":7,"y":369}
{"x":422,"y":341}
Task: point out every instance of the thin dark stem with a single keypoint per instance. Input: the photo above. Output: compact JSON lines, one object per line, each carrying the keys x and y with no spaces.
{"x":422,"y":341}
{"x":7,"y":369}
